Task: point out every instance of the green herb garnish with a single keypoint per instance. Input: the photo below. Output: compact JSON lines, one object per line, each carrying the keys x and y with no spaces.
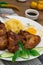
{"x":16,"y":55}
{"x":20,"y":44}
{"x":24,"y":53}
{"x":34,"y":52}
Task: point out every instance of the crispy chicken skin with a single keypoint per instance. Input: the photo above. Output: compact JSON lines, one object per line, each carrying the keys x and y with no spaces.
{"x":12,"y":40}
{"x":29,"y":40}
{"x":3,"y":37}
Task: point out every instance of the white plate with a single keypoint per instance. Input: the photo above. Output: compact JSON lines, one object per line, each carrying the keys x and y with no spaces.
{"x":37,"y":26}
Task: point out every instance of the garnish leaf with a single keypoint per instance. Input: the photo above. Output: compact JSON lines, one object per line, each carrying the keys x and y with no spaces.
{"x":24,"y":54}
{"x":34,"y":52}
{"x":20,"y":44}
{"x":16,"y":55}
{"x":28,"y":52}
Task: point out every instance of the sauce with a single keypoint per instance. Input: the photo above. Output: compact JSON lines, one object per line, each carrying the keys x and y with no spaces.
{"x":32,"y":13}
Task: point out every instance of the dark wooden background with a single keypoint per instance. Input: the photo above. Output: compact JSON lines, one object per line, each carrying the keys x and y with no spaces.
{"x":23,"y":7}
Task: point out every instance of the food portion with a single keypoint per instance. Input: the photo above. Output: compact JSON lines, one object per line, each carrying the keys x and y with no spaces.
{"x":14,"y":25}
{"x":13,"y":30}
{"x":3,"y":37}
{"x":18,"y":40}
{"x":31,"y":30}
{"x":12,"y":41}
{"x":29,"y":40}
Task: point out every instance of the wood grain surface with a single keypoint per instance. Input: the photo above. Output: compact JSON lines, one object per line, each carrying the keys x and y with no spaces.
{"x":23,"y":7}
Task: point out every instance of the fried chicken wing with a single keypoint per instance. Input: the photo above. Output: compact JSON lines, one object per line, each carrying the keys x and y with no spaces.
{"x":29,"y":40}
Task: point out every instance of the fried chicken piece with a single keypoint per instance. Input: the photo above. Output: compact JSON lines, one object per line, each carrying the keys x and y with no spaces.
{"x":32,"y":42}
{"x":3,"y":37}
{"x":13,"y":40}
{"x":29,"y":40}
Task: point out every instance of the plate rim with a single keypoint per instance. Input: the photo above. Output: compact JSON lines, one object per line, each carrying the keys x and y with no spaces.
{"x":30,"y":20}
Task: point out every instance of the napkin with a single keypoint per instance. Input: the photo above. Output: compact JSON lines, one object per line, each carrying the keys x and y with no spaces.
{"x":7,"y":11}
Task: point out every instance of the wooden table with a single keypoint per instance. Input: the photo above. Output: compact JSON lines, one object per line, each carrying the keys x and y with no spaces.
{"x":23,"y":7}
